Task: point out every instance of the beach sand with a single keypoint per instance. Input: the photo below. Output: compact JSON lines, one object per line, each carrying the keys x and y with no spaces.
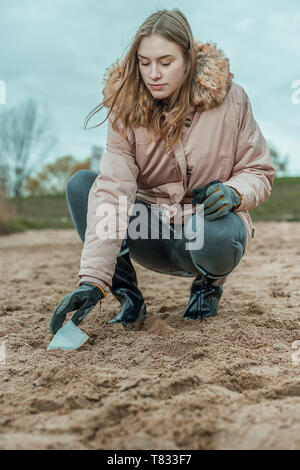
{"x":228,"y":382}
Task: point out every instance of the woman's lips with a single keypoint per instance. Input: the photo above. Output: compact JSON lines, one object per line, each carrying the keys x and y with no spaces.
{"x":156,"y":87}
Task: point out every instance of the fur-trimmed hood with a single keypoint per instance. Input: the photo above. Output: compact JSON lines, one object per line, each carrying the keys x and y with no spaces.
{"x":211,"y":83}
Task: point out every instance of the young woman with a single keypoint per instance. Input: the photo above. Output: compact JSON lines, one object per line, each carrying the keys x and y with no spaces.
{"x":180,"y":131}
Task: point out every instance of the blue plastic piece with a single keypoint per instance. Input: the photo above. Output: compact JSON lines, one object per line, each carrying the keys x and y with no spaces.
{"x":68,"y":337}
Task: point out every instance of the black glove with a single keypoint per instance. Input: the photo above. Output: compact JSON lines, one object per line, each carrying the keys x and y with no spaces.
{"x":82,"y":299}
{"x":199,"y":194}
{"x":218,"y":199}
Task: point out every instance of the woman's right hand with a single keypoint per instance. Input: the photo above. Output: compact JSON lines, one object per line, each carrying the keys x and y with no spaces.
{"x":82,"y":299}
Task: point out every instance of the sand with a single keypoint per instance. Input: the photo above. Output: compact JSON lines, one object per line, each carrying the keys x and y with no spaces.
{"x":229,"y":382}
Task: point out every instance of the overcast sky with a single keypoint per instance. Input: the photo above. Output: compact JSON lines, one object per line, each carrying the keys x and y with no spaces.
{"x":57,"y":51}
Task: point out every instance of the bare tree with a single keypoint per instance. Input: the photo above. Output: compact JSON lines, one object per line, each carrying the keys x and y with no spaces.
{"x":25,"y":140}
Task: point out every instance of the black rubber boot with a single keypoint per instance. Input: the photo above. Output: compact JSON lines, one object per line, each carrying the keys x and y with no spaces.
{"x":125,"y":289}
{"x":204,"y":298}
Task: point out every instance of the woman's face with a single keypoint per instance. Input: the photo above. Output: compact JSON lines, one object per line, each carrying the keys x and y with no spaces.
{"x":168,"y":71}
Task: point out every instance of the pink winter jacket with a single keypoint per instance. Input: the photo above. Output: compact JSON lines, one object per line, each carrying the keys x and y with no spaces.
{"x":223,"y":142}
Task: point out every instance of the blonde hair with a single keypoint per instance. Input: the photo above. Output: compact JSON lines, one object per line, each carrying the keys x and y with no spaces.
{"x":131,"y":94}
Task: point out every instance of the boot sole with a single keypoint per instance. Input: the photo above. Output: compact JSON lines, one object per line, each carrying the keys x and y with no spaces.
{"x":136,"y":325}
{"x":199,"y":317}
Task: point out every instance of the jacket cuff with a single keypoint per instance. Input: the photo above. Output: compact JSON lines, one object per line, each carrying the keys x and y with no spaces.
{"x":239,"y":194}
{"x":93,"y":280}
{"x":236,"y":198}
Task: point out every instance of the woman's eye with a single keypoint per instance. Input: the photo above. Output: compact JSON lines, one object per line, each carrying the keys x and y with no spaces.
{"x":161,"y":64}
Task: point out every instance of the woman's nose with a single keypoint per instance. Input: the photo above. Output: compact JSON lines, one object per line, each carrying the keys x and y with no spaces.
{"x":155,"y":73}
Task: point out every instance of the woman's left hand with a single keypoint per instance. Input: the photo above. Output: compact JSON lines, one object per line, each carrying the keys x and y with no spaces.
{"x":219,"y":201}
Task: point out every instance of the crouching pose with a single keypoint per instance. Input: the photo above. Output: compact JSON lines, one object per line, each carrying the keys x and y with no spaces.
{"x":180,"y":133}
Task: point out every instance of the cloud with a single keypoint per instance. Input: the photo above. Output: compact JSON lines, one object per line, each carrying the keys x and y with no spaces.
{"x":58,"y":50}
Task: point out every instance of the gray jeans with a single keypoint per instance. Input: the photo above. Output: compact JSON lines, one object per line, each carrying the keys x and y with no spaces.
{"x":224,"y":239}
